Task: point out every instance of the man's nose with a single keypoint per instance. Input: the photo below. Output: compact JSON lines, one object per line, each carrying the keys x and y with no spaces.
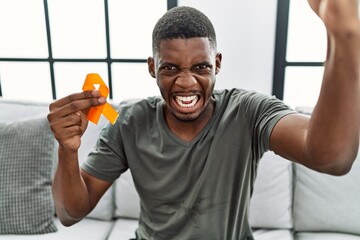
{"x":186,"y":80}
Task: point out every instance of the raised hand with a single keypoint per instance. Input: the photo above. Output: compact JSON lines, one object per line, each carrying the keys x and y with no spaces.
{"x":68,"y":120}
{"x":339,"y":16}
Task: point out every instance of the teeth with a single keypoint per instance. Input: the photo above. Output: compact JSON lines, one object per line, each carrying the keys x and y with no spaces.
{"x":187,"y":102}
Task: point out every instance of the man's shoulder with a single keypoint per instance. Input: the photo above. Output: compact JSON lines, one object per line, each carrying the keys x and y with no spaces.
{"x":238,"y":95}
{"x":139,"y":109}
{"x":142,"y":103}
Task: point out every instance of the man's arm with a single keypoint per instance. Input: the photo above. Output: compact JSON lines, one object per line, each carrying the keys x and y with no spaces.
{"x":328,"y":141}
{"x":75,"y":192}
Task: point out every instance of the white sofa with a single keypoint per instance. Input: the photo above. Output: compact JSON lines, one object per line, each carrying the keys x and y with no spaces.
{"x":289,"y":201}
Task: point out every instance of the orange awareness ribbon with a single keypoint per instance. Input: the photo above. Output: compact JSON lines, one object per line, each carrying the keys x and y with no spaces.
{"x":106,"y":109}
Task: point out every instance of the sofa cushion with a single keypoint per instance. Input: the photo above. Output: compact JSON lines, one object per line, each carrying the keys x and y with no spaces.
{"x":271,"y":202}
{"x":271,"y":234}
{"x":104,"y":210}
{"x":326,"y":236}
{"x":26,"y":159}
{"x":13,"y":110}
{"x":127,"y":201}
{"x":123,"y":229}
{"x":86,"y":229}
{"x":327,"y":203}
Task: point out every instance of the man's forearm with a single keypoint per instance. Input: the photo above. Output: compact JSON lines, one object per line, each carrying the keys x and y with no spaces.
{"x":333,"y":133}
{"x":69,"y":190}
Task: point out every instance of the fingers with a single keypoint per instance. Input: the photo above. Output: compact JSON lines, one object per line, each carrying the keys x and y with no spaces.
{"x":66,"y":117}
{"x":71,"y":120}
{"x":60,"y":124}
{"x":78,"y":102}
{"x":75,"y":103}
{"x":66,"y":127}
{"x":341,"y":18}
{"x":315,"y":5}
{"x":335,"y":9}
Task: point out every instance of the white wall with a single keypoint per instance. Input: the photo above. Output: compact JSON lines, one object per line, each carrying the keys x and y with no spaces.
{"x":246,"y":37}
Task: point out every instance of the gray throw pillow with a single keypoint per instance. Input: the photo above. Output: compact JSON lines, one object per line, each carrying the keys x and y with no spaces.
{"x":26,"y":163}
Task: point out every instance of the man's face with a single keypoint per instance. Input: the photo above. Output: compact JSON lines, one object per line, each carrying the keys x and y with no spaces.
{"x":185,"y":70}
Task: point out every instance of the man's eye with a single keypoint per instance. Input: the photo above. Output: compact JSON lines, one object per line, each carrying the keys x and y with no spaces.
{"x":169,"y":68}
{"x":203,"y":66}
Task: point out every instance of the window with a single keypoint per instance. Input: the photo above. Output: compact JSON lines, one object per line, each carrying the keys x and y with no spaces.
{"x":299,"y":54}
{"x":47,"y":47}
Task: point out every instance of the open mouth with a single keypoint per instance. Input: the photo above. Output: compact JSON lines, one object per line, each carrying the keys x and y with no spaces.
{"x":186,"y":101}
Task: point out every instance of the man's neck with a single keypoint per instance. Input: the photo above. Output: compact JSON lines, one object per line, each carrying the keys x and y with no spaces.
{"x":189,"y":130}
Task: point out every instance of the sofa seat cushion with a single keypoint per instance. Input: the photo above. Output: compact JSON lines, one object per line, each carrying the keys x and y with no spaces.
{"x":123,"y":229}
{"x":326,"y":236}
{"x":273,"y":234}
{"x":87,"y":229}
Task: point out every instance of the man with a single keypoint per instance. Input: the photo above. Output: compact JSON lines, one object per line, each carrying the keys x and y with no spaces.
{"x":194,"y":152}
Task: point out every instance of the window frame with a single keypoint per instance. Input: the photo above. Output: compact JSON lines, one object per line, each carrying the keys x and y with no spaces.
{"x":281,"y":42}
{"x":108,"y":60}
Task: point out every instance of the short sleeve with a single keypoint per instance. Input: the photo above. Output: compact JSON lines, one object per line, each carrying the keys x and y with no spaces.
{"x":265,"y":111}
{"x":107,"y":160}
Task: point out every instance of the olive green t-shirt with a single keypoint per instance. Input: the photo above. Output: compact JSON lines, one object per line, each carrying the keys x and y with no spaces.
{"x":190,"y":190}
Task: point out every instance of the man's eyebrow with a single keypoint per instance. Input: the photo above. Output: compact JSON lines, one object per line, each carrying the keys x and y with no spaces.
{"x":203,"y":63}
{"x":167,"y":63}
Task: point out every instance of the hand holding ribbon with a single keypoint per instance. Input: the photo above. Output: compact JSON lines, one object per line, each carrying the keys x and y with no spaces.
{"x":106,"y":109}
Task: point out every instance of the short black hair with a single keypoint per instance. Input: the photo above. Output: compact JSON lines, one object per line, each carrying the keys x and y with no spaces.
{"x":183,"y":22}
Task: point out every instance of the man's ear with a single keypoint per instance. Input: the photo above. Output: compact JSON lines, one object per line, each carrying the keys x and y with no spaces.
{"x":218,"y":59}
{"x":151,"y":66}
